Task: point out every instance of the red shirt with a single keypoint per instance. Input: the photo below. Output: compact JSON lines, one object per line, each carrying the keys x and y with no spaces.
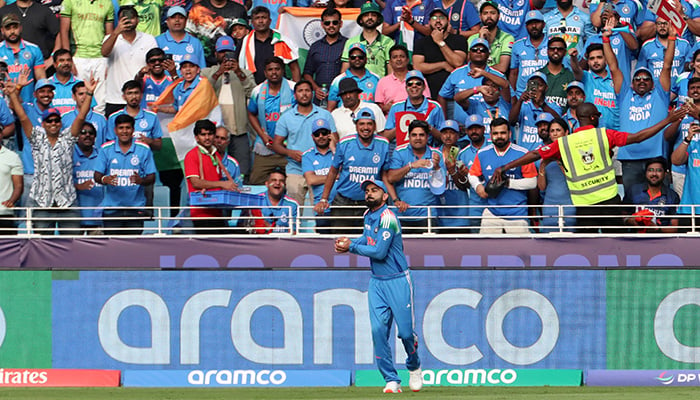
{"x":615,"y":139}
{"x":209,"y":171}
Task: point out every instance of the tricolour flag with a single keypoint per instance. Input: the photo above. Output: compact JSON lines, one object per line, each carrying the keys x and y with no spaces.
{"x":303,"y":26}
{"x":203,"y":103}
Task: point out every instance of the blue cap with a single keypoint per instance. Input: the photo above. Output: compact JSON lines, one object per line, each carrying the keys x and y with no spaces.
{"x":365,"y":113}
{"x":176,"y":10}
{"x":575,"y":84}
{"x":450,"y":124}
{"x":534,"y":15}
{"x":414,"y":74}
{"x":190,"y":58}
{"x":49,"y":112}
{"x":319,"y":124}
{"x":480,"y":41}
{"x":440,"y":10}
{"x":544,"y":117}
{"x":42,"y":83}
{"x":357,"y":46}
{"x":642,"y":69}
{"x":225,"y":43}
{"x":474,"y":119}
{"x":538,"y":74}
{"x":377,"y":182}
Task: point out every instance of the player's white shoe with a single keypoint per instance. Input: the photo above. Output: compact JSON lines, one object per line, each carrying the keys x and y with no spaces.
{"x":415,"y":379}
{"x":392,"y":387}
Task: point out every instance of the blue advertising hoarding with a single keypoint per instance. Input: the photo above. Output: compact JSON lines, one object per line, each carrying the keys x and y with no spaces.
{"x":304,"y":320}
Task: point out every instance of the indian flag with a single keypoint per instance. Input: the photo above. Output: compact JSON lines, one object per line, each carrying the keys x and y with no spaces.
{"x":303,"y":26}
{"x":203,"y":103}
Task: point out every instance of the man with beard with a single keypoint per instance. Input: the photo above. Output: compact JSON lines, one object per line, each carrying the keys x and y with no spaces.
{"x":358,"y":71}
{"x":357,"y":158}
{"x":153,"y":78}
{"x":315,"y":163}
{"x":90,"y":193}
{"x":570,"y":23}
{"x":263,"y":43}
{"x":147,"y":128}
{"x":500,"y":42}
{"x":439,"y":53}
{"x":344,"y":116}
{"x":391,"y":88}
{"x":529,"y":54}
{"x":495,"y":220}
{"x":323,"y":59}
{"x":377,"y":44}
{"x":475,"y":127}
{"x":20,"y":55}
{"x":575,"y":96}
{"x":654,"y":203}
{"x":63,"y":81}
{"x":598,"y":82}
{"x":98,"y":121}
{"x":40,"y":25}
{"x":267,"y":101}
{"x":491,"y":105}
{"x":526,"y":110}
{"x":419,"y":106}
{"x":678,"y":131}
{"x":558,"y":76}
{"x":651,"y":55}
{"x":623,"y":41}
{"x":292,"y":136}
{"x":390,"y":292}
{"x":416,"y":177}
{"x":470,"y":76}
{"x":279,"y":211}
{"x":641,"y":106}
{"x":204,"y":170}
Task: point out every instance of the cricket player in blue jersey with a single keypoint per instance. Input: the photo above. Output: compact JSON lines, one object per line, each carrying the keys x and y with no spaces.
{"x":390,"y":292}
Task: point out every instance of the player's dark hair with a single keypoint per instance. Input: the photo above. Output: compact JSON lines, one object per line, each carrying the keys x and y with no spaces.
{"x":331,"y":12}
{"x":259,"y":10}
{"x":132,"y":84}
{"x":303,"y":82}
{"x":398,"y":47}
{"x":692,"y":80}
{"x":593,"y":47}
{"x":416,"y":123}
{"x":59,"y":53}
{"x":560,"y":121}
{"x":274,"y":60}
{"x":204,"y":125}
{"x":556,"y":39}
{"x":124,"y":119}
{"x":498,"y":122}
{"x":78,"y":85}
{"x":156,"y":51}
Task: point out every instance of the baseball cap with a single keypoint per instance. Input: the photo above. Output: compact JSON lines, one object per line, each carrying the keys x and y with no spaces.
{"x":414,"y":74}
{"x":172,"y":11}
{"x":10,"y":19}
{"x":189,"y":58}
{"x":319,"y":124}
{"x":660,"y":160}
{"x":225,"y":43}
{"x":377,"y":182}
{"x":357,"y":46}
{"x":488,"y":3}
{"x":534,"y":15}
{"x":642,"y":69}
{"x":239,"y":21}
{"x":575,"y":84}
{"x":42,"y":83}
{"x":365,"y":113}
{"x":544,"y":117}
{"x":450,"y":124}
{"x":480,"y":41}
{"x":49,"y":112}
{"x":348,"y":85}
{"x":538,"y":74}
{"x":474,"y":119}
{"x":439,"y":10}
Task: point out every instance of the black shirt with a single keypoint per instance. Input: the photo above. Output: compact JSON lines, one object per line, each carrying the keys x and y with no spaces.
{"x":427,"y":48}
{"x":263,"y":51}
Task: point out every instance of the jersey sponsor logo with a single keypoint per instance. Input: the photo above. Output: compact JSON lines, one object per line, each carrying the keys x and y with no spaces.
{"x":352,"y":158}
{"x":134,"y":160}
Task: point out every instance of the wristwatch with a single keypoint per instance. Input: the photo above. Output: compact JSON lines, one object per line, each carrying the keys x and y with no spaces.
{"x":442,"y":43}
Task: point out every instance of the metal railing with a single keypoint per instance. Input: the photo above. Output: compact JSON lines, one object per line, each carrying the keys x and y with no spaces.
{"x":157,"y":221}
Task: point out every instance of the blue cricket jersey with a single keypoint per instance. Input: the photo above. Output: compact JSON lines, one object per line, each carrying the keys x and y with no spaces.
{"x":467,"y":156}
{"x":188,"y":45}
{"x":512,"y":16}
{"x":414,"y":188}
{"x":691,"y":187}
{"x":367,"y":83}
{"x":29,"y":56}
{"x":296,"y":127}
{"x":651,"y":56}
{"x":83,"y":171}
{"x":146,"y":124}
{"x":320,"y":164}
{"x":112,"y":161}
{"x":601,"y":92}
{"x":63,"y":94}
{"x":231,"y":165}
{"x":381,"y":241}
{"x":460,"y":80}
{"x":527,"y":59}
{"x":283,"y":215}
{"x":640,"y":112}
{"x":575,"y":29}
{"x":153,"y":88}
{"x":528,"y":137}
{"x":96,"y":119}
{"x":623,"y":53}
{"x":358,"y":163}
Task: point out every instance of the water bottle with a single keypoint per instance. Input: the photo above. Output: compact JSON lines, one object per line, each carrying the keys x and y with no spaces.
{"x":324,"y":102}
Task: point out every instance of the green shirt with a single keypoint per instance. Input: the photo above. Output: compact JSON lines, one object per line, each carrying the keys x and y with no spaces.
{"x":166,"y":157}
{"x":377,"y":52}
{"x":501,"y":46}
{"x":556,"y":85}
{"x":149,"y":14}
{"x":87,"y":21}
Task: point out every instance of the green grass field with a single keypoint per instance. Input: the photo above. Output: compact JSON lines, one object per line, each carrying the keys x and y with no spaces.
{"x":471,"y":393}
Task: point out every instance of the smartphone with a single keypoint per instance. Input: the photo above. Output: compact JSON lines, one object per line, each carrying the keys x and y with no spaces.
{"x":532,"y":86}
{"x":454,"y":150}
{"x":168,"y":56}
{"x":229,"y":56}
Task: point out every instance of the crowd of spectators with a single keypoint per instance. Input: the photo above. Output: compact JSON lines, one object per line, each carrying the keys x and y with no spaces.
{"x":530,"y":112}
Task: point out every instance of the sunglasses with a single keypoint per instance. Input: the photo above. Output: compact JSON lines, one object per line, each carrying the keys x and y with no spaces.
{"x":156,"y":60}
{"x":357,"y":57}
{"x":89,"y":132}
{"x":642,"y":79}
{"x":478,"y":50}
{"x":414,"y":83}
{"x":332,"y":22}
{"x":53,"y":121}
{"x":320,"y":133}
{"x":556,"y":48}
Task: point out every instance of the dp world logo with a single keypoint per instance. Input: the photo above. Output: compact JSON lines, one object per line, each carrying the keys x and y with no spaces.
{"x":665,"y":380}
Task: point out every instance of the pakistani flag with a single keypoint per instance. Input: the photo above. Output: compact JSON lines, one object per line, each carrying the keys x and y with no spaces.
{"x":303,"y":26}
